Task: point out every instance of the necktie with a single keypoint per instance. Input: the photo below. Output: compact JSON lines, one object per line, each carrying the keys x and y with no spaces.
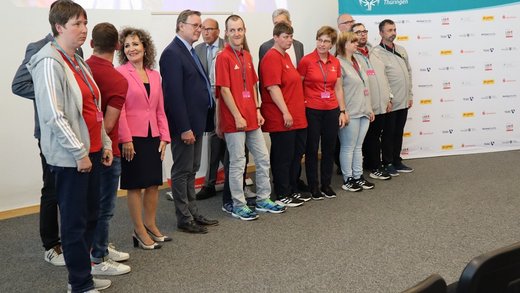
{"x":199,"y":65}
{"x":210,"y":56}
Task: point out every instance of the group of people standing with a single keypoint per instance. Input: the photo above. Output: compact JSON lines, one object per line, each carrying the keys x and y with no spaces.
{"x":100,"y":126}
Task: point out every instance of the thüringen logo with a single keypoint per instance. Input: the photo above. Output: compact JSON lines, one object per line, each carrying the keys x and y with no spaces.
{"x":369,"y":4}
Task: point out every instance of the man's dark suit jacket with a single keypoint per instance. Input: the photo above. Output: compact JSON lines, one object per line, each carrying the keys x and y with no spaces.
{"x":186,"y":97}
{"x":298,"y":50}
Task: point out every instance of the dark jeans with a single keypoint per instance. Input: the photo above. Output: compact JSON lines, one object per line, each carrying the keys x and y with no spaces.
{"x":78,"y":200}
{"x":287,"y":149}
{"x":49,"y":228}
{"x":107,"y":202}
{"x":186,"y":163}
{"x":392,"y":138}
{"x":372,"y":143}
{"x":322,"y":124}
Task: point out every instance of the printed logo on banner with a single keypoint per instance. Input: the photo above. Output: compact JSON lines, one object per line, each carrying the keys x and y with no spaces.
{"x":424,"y":37}
{"x":511,"y":141}
{"x":405,"y":151}
{"x":369,"y":4}
{"x":446,"y":68}
{"x":508,"y":17}
{"x":488,"y":97}
{"x":509,"y":34}
{"x":446,"y":36}
{"x":488,"y":18}
{"x":467,"y":19}
{"x":407,"y":134}
{"x":488,"y":50}
{"x":447,"y":116}
{"x":425,"y":85}
{"x":447,"y":131}
{"x":468,"y":99}
{"x":507,"y":80}
{"x":510,"y":127}
{"x":447,"y":147}
{"x":467,"y":35}
{"x":446,"y":52}
{"x":510,"y":111}
{"x":425,"y":132}
{"x":425,"y":69}
{"x":466,"y":83}
{"x":488,"y":82}
{"x":424,"y":53}
{"x":509,"y":96}
{"x":446,"y":85}
{"x":465,"y":145}
{"x":469,"y":129}
{"x":466,"y":51}
{"x":509,"y":65}
{"x":426,"y":118}
{"x":447,"y":100}
{"x":468,"y":67}
{"x":402,"y":38}
{"x":445,"y":20}
{"x":489,"y":143}
{"x":484,"y":113}
{"x":423,"y":20}
{"x":468,"y":115}
{"x":493,"y":128}
{"x":488,"y":67}
{"x":488,"y":34}
{"x":426,"y":102}
{"x":509,"y":49}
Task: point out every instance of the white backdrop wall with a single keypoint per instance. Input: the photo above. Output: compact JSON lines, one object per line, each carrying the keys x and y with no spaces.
{"x":20,"y":167}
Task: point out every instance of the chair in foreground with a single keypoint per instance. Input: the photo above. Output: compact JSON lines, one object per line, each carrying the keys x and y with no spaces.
{"x":433,"y":284}
{"x":497,"y":271}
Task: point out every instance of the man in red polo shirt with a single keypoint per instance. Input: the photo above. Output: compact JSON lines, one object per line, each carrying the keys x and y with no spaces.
{"x":240,"y":121}
{"x":284,"y":110}
{"x":113,"y":87}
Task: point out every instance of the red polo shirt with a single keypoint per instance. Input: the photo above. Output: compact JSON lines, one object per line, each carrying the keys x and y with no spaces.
{"x":90,"y":109}
{"x":319,"y":81}
{"x":230,"y":70}
{"x":113,"y":87}
{"x":277,"y":69}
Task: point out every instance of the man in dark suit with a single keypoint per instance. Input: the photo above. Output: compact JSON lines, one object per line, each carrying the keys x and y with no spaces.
{"x":190,"y":110}
{"x":295,"y":52}
{"x":23,"y":86}
{"x":207,"y":51}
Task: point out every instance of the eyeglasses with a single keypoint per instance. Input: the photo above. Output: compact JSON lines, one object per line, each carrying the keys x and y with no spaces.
{"x":209,"y":29}
{"x":322,"y":41}
{"x":359,"y":33}
{"x":194,"y":25}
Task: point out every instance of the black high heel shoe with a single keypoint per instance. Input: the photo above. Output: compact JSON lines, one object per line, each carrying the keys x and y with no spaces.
{"x":139,"y":243}
{"x":156,"y":238}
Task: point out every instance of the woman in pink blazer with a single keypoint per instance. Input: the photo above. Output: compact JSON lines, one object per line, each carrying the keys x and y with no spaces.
{"x":143,"y":135}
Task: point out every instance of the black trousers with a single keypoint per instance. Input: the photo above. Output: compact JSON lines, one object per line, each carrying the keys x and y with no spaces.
{"x":49,"y":227}
{"x":392,"y":138}
{"x":287,"y":149}
{"x":322,"y":125}
{"x":372,"y":143}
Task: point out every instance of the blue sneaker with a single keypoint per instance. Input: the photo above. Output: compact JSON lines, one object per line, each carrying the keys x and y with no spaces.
{"x":269,"y":206}
{"x":402,"y":168}
{"x":390,"y":169}
{"x":227,"y":207}
{"x":244,"y":213}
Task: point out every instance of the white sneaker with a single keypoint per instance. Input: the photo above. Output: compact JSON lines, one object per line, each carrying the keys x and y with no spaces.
{"x":115,"y":255}
{"x":109,"y":268}
{"x":99,"y":284}
{"x":54,"y":256}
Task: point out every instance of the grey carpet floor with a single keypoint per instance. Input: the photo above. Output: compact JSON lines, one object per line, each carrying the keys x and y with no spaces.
{"x":434,"y":220}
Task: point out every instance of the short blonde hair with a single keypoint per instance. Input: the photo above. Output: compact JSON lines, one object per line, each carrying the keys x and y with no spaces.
{"x":343,"y":38}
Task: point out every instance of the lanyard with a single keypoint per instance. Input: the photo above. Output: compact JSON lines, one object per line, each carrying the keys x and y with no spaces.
{"x":356,"y":67}
{"x":392,"y":50}
{"x":325,"y":75}
{"x":242,"y":64}
{"x":78,"y":69}
{"x":366,"y":61}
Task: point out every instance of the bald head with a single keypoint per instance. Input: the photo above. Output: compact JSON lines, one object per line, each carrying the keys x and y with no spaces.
{"x":345,"y":22}
{"x":210,"y":30}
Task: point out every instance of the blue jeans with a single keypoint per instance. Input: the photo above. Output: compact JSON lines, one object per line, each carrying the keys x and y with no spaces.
{"x":350,"y":154}
{"x":78,"y":201}
{"x":255,"y":142}
{"x":107,"y":202}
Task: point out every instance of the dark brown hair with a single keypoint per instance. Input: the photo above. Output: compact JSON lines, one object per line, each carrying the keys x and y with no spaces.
{"x":63,"y":10}
{"x":145,"y":38}
{"x":105,"y":37}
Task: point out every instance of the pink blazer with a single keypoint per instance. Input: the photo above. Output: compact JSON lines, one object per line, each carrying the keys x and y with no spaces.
{"x":139,"y":110}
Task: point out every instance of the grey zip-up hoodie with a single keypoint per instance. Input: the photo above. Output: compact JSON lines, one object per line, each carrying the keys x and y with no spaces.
{"x":398,"y":73}
{"x":64,"y":133}
{"x":377,"y":83}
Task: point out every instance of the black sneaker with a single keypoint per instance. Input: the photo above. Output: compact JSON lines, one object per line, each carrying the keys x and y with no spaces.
{"x":302,"y":187}
{"x":380,"y":174}
{"x":302,"y":196}
{"x":316,"y":194}
{"x":328,"y":192}
{"x":289,"y":201}
{"x":363,"y":183}
{"x":402,"y":168}
{"x":251,"y":203}
{"x":206,"y":192}
{"x":351,"y":185}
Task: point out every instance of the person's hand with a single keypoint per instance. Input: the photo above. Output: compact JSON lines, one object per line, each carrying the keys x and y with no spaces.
{"x":162,"y":149}
{"x":240,"y":123}
{"x":84,"y":165}
{"x":287,"y":120}
{"x":342,"y":120}
{"x":371,"y":116}
{"x":188,"y":137}
{"x":128,"y":151}
{"x":347,"y":119}
{"x":107,"y":158}
{"x":259,"y":118}
{"x":410,"y":104}
{"x":389,"y":106}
